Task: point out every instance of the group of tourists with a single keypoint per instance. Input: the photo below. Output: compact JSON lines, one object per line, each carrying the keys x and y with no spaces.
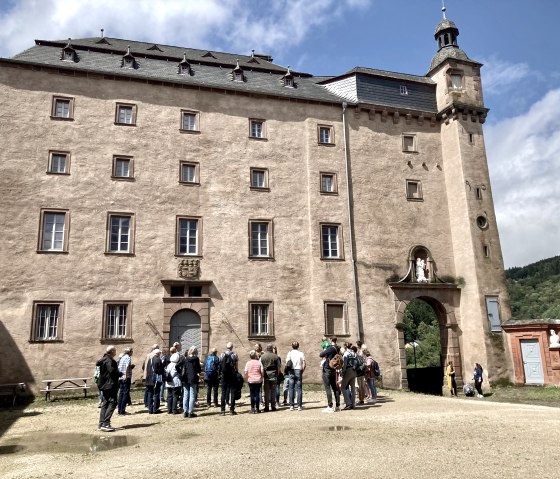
{"x":177,"y":376}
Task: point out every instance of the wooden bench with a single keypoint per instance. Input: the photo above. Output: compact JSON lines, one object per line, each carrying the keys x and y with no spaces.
{"x":14,"y":390}
{"x":69,"y":384}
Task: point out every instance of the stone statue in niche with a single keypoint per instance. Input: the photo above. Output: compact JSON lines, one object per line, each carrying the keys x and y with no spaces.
{"x":420,"y":271}
{"x":188,"y":268}
{"x":554,"y":340}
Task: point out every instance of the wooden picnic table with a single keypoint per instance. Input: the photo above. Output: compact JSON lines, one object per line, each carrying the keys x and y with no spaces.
{"x":68,"y":384}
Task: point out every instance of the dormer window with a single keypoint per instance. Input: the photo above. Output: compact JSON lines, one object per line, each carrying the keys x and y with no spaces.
{"x":68,"y":56}
{"x":68,"y":53}
{"x":128,"y":60}
{"x":238,"y":73}
{"x":185,"y":66}
{"x":404,"y":90}
{"x":288,"y":79}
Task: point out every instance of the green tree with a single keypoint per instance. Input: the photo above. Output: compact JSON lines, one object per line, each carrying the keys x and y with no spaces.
{"x":421,"y":325}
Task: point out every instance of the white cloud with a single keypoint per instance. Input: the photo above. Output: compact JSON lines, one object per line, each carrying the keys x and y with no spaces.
{"x":230,"y":25}
{"x":500,"y":75}
{"x":524,"y":161}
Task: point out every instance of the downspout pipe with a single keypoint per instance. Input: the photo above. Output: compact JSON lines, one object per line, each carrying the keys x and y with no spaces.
{"x":349,"y":202}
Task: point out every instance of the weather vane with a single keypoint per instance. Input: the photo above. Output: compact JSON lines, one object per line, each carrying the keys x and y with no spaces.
{"x":443,"y":9}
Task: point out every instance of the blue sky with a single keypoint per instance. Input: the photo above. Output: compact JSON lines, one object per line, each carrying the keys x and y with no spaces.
{"x":515,"y":39}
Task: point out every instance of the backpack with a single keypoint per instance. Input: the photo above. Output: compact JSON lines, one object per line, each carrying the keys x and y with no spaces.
{"x":376,"y":370}
{"x":228,"y":365}
{"x":211,"y":367}
{"x":168,"y":376}
{"x":336,"y":362}
{"x":360,"y":366}
{"x":96,"y":374}
{"x":238,"y":385}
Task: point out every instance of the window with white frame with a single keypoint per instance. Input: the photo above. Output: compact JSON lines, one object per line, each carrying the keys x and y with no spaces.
{"x":54,"y":231}
{"x":62,"y":108}
{"x":336,"y":320}
{"x":125,"y":114}
{"x":189,"y":172}
{"x":123,"y":167}
{"x":257,"y":128}
{"x":326,"y":135}
{"x":59,"y":163}
{"x":328,"y":183}
{"x":260,"y":244}
{"x":404,"y":90}
{"x":116,"y":319}
{"x":120,"y":233}
{"x":409,"y":143}
{"x":238,"y":76}
{"x":47,"y":321}
{"x":330,"y":241}
{"x":260,"y":320}
{"x":188,"y":236}
{"x":189,"y":120}
{"x":259,"y":178}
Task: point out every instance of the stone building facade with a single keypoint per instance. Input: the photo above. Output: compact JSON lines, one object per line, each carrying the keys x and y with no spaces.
{"x":152,"y":193}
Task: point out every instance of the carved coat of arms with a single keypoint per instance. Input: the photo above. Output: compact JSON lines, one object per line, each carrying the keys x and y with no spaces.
{"x":188,"y":268}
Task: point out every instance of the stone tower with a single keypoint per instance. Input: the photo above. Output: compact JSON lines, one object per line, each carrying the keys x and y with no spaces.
{"x":474,"y":234}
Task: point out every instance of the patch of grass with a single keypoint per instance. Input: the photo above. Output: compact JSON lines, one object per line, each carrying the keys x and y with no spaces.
{"x":539,"y":395}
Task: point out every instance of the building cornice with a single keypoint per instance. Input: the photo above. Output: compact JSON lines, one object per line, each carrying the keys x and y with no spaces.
{"x":395,"y":114}
{"x":465,"y":111}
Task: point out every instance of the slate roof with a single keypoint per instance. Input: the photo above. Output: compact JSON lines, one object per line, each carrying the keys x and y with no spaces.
{"x":445,"y":25}
{"x":450,"y":51}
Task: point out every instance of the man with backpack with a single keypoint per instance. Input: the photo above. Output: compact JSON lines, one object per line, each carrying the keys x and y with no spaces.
{"x":108,"y":384}
{"x":332,"y":361}
{"x":212,"y":376}
{"x":228,"y":379}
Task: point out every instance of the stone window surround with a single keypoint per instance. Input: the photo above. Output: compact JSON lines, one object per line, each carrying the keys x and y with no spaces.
{"x":420,"y":194}
{"x":66,"y":213}
{"x":264,"y":132}
{"x":134,"y":107}
{"x":59,"y":325}
{"x":70,"y":116}
{"x":266,"y":186}
{"x":131,"y":234}
{"x":335,"y":183}
{"x":270,"y":256}
{"x":414,"y":143}
{"x":196,"y":173}
{"x":331,"y":141}
{"x":449,"y":82}
{"x":130,"y":176}
{"x":199,"y":231}
{"x":261,"y":337}
{"x":196,"y":121}
{"x":66,"y":165}
{"x":340,"y":256}
{"x":345,"y":320}
{"x":128,"y":337}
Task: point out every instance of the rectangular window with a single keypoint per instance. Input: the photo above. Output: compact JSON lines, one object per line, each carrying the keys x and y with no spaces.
{"x":189,"y":120}
{"x":404,"y":90}
{"x":123,"y":167}
{"x":326,"y":135}
{"x":62,"y":108}
{"x":260,"y":319}
{"x":414,"y":190}
{"x":54,"y":231}
{"x":471,"y":139}
{"x":336,"y":320}
{"x":456,"y":81}
{"x":116,"y":319}
{"x":59,"y":163}
{"x":47,"y":321}
{"x":259,"y":178}
{"x":260,"y":239}
{"x":328,"y":183}
{"x":188,"y":236}
{"x":189,"y":173}
{"x":478,"y":192}
{"x":257,"y":129}
{"x":120,"y":233}
{"x":330,"y":242}
{"x":486,"y":251}
{"x":409,"y":143}
{"x":493,"y":311}
{"x":125,"y":114}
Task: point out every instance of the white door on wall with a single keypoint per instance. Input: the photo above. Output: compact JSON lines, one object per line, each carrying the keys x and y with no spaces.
{"x":185,"y":328}
{"x":532,"y":363}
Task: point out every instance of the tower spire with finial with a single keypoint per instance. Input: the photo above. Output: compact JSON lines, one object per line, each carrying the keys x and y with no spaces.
{"x":443,"y":9}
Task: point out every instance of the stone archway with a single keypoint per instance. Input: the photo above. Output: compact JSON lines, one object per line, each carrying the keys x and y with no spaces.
{"x":444,"y":299}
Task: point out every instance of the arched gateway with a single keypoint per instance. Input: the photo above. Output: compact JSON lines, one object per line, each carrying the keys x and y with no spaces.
{"x":185,"y":327}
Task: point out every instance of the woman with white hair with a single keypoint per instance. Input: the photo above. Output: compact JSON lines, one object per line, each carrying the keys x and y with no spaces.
{"x":173,"y":384}
{"x":189,"y":370}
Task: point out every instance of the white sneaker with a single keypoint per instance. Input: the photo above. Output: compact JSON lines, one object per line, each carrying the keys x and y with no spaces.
{"x":300,"y":408}
{"x":480,"y":396}
{"x":328,"y":409}
{"x":291,"y":408}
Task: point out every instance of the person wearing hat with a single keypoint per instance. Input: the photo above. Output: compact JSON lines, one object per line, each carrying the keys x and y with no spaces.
{"x":125,"y":380}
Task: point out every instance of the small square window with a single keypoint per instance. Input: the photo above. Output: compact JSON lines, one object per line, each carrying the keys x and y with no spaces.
{"x":409,"y":143}
{"x":123,"y":168}
{"x":195,"y":291}
{"x":59,"y":163}
{"x":259,"y":178}
{"x":189,"y":173}
{"x":260,"y":239}
{"x":116,"y":319}
{"x":414,"y":190}
{"x":257,"y":129}
{"x":120,"y":233}
{"x":47,"y":321}
{"x":328,"y":183}
{"x":125,"y":114}
{"x":336,"y":319}
{"x":189,"y":121}
{"x":331,"y":244}
{"x":188,"y":236}
{"x":238,"y":76}
{"x":53,"y":235}
{"x":177,"y":291}
{"x":62,"y":108}
{"x":261,"y":321}
{"x":404,"y":90}
{"x":289,"y":82}
{"x":456,"y":81}
{"x":326,"y":135}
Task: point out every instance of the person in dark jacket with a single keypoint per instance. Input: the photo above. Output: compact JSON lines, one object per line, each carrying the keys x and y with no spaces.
{"x":477,"y":376}
{"x":189,"y":370}
{"x":329,"y":376}
{"x":108,"y":384}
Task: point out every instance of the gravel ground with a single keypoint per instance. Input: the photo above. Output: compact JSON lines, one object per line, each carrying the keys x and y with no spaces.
{"x":403,"y":436}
